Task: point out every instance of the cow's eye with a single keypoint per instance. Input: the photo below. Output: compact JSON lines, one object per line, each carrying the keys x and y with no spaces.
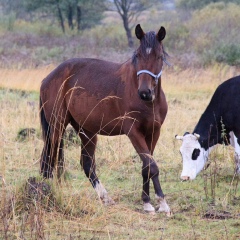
{"x":195,"y":153}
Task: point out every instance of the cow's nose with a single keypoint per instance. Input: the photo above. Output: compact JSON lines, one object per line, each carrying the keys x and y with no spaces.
{"x":185,"y":178}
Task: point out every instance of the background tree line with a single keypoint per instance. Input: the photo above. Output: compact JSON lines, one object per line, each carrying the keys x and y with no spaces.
{"x":198,"y":32}
{"x":83,"y":14}
{"x":78,"y":14}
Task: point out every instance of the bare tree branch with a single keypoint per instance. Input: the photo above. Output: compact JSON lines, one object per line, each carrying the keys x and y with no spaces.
{"x":129,"y":10}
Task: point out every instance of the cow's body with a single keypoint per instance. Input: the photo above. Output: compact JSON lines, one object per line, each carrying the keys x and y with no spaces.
{"x":220,"y":123}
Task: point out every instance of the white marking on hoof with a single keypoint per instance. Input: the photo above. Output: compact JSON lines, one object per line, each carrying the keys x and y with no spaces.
{"x":103,"y":194}
{"x":163,"y":206}
{"x":147,"y":207}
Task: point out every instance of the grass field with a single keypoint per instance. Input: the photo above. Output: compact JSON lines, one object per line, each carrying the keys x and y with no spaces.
{"x":206,"y":208}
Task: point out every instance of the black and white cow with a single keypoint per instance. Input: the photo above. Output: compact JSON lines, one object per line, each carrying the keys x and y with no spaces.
{"x":220,"y":123}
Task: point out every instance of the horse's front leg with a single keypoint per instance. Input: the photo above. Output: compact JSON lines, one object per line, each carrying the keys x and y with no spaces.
{"x":149,"y":171}
{"x":151,"y":141}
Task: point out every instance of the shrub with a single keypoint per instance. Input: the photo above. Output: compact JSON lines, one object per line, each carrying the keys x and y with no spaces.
{"x":7,"y":22}
{"x":229,"y":54}
{"x":214,"y":33}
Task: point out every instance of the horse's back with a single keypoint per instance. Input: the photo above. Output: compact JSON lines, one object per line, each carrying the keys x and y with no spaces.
{"x":82,"y":86}
{"x":93,"y":75}
{"x":81,"y":68}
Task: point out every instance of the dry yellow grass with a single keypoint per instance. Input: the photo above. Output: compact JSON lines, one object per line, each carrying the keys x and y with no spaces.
{"x":80,"y":214}
{"x":25,"y":79}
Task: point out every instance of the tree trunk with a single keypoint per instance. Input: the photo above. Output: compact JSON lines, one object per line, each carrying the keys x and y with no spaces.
{"x":70,"y":17}
{"x":60,"y":18}
{"x":79,"y":15}
{"x":128,"y":31}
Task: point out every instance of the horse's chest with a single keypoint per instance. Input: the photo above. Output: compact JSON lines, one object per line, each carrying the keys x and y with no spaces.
{"x":150,"y":114}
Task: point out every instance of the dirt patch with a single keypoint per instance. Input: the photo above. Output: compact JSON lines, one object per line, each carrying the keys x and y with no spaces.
{"x":220,"y":215}
{"x":26,"y":134}
{"x":38,"y":192}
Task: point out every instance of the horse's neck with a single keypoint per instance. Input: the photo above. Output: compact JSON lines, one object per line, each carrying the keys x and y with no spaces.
{"x":129,"y":73}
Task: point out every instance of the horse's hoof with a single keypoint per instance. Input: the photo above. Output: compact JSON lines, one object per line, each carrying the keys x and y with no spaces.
{"x":151,"y":213}
{"x":169,"y":214}
{"x":148,"y":208}
{"x":108,"y":201}
{"x":163,"y":206}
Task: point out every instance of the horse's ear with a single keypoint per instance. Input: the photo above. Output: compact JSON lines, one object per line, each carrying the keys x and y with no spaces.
{"x":161,"y":34}
{"x":139,"y":32}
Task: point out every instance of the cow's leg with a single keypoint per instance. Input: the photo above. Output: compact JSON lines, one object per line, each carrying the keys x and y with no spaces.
{"x":235,"y":142}
{"x":151,"y":141}
{"x":149,"y":170}
{"x":87,"y":161}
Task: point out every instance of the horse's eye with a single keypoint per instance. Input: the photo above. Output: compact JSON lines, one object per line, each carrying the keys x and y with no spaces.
{"x":160,"y":57}
{"x":137,"y":55}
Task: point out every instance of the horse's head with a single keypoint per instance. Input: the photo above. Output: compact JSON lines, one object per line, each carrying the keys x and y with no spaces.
{"x":148,"y":61}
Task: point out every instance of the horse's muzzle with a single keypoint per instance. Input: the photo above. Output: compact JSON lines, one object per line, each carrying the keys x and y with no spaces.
{"x":146,"y":95}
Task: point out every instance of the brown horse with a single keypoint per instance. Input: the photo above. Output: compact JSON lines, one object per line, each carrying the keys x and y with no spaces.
{"x":100,"y":97}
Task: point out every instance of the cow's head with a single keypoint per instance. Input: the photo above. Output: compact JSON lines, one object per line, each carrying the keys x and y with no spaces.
{"x":193,"y":155}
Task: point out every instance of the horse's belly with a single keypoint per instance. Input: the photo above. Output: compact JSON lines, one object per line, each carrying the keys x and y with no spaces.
{"x":102,"y":117}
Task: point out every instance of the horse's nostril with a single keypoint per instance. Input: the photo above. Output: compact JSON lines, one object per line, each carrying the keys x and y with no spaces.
{"x":145,"y":95}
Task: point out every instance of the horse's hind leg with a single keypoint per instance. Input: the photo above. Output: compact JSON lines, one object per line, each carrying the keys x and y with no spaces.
{"x":87,"y":161}
{"x":60,"y":163}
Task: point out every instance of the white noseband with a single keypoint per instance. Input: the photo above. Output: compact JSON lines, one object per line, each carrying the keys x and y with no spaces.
{"x":156,"y":77}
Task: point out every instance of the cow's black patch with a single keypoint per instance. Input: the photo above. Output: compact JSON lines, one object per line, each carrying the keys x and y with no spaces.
{"x":186,"y":133}
{"x":195,"y":153}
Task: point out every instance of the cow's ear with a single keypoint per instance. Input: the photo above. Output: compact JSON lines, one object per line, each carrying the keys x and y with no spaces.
{"x":139,"y":32}
{"x":196,"y":135}
{"x":178,"y":137}
{"x":161,"y":34}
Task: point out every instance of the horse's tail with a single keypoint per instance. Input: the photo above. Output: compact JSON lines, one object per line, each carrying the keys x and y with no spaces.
{"x":47,"y":158}
{"x":43,"y":121}
{"x":45,"y":162}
